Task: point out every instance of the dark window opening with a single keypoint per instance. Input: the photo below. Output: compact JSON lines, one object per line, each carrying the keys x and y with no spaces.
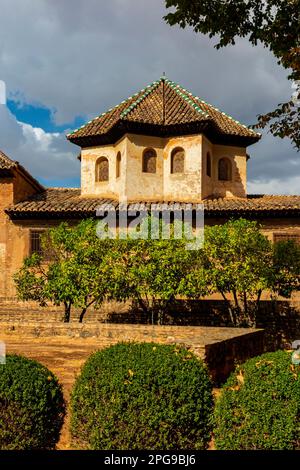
{"x":208,"y":164}
{"x":36,"y":245}
{"x":118,"y":168}
{"x":177,"y":161}
{"x":224,"y":170}
{"x":102,"y":169}
{"x":149,"y":161}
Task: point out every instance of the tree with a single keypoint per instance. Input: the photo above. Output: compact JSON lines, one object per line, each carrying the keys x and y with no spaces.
{"x":237,"y":258}
{"x":156,"y":271}
{"x":286,"y":268}
{"x":274,"y":23}
{"x":79,"y":273}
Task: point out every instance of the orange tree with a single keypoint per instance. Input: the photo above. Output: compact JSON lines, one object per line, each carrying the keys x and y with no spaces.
{"x":79,"y":273}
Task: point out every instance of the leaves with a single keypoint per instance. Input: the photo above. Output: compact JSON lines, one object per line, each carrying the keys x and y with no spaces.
{"x":263,"y":412}
{"x":32,"y":407}
{"x":237,"y":261}
{"x":286,"y":268}
{"x":274,"y":23}
{"x":80,"y":272}
{"x":166,"y":405}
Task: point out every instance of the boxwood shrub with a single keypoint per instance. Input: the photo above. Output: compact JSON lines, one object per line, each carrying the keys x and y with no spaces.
{"x":31,"y":405}
{"x":142,"y":396}
{"x":259,"y":406}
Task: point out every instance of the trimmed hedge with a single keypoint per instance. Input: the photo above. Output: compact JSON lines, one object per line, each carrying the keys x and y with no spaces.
{"x":31,"y":405}
{"x":142,"y":396}
{"x":259,"y":406}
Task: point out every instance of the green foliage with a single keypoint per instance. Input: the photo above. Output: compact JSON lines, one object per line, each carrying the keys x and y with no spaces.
{"x":142,"y":396}
{"x":274,"y":23}
{"x":238,"y":259}
{"x":79,"y":273}
{"x":155,"y":271}
{"x":259,"y":406}
{"x":31,"y":405}
{"x":286,"y":265}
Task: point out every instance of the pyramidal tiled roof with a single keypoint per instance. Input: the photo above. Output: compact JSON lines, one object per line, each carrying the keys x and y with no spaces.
{"x":6,"y":163}
{"x":162,"y":104}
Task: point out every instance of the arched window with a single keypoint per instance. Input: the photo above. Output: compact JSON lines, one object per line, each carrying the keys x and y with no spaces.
{"x":102,"y":169}
{"x":208,"y":164}
{"x":177,"y":160}
{"x":149,"y":161}
{"x":118,"y":165}
{"x":224,"y":169}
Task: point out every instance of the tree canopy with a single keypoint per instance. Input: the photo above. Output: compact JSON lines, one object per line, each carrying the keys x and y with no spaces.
{"x":236,"y":261}
{"x":274,"y":23}
{"x":78,"y":274}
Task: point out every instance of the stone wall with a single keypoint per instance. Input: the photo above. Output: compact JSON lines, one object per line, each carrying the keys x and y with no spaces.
{"x":191,"y":186}
{"x":281,"y":319}
{"x":220,"y":348}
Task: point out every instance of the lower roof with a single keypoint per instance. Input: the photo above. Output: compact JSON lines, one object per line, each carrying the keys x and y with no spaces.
{"x":67,"y":203}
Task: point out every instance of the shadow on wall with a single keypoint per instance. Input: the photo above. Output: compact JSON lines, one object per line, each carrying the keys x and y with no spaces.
{"x":231,"y":180}
{"x":280,"y":319}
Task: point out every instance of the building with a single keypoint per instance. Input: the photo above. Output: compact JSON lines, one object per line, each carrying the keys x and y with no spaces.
{"x":160,"y":145}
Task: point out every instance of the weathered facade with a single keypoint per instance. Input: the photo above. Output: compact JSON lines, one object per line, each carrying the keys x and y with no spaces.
{"x":160,"y":145}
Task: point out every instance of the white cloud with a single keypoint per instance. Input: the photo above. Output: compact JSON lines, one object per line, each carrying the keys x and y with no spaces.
{"x":85,"y":58}
{"x":275,"y":186}
{"x":45,"y":155}
{"x":81,"y":57}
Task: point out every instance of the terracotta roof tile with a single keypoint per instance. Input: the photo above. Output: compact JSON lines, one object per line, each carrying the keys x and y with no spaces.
{"x":163,"y":103}
{"x":6,"y":163}
{"x":69,"y":202}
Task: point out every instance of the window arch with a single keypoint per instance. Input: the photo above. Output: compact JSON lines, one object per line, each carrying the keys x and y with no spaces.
{"x":149,"y":161}
{"x":208,"y":164}
{"x":102,"y":170}
{"x":118,"y":165}
{"x":177,"y":160}
{"x":224,"y":169}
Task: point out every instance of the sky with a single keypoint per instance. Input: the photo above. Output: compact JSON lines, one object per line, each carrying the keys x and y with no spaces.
{"x":66,"y":61}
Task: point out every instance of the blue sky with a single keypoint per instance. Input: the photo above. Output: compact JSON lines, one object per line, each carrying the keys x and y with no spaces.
{"x":63,"y":66}
{"x":40,"y":116}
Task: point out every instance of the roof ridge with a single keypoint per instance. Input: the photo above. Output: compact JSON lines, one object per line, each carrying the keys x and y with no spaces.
{"x":185,"y":96}
{"x":147,"y":90}
{"x":11,"y":163}
{"x":117,"y":106}
{"x":175,"y":96}
{"x":228,"y":116}
{"x":197,"y":98}
{"x":106,"y":112}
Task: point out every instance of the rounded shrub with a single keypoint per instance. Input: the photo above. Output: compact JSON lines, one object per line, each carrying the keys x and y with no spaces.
{"x":142,"y":396}
{"x":259,"y":406}
{"x":31,"y":405}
